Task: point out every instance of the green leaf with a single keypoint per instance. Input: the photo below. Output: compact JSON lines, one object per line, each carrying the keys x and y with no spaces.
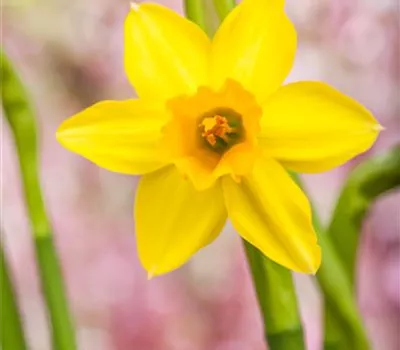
{"x":11,"y":329}
{"x":21,"y":119}
{"x":333,"y":281}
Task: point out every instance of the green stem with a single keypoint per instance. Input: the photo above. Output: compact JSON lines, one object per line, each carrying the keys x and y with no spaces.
{"x":273,"y":283}
{"x":277,"y":300}
{"x":21,"y":119}
{"x":223,"y":7}
{"x":11,"y":330}
{"x":334,"y":337}
{"x":366,"y":182}
{"x":195,"y":11}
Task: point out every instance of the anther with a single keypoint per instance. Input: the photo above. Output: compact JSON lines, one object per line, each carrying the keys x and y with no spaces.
{"x":216,"y":127}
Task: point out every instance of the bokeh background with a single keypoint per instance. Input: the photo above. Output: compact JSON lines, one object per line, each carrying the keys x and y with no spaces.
{"x":69,"y":54}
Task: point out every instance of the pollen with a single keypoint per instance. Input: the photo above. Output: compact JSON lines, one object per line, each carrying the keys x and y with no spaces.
{"x":216,"y":127}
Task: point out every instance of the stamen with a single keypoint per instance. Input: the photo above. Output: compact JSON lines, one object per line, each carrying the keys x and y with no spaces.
{"x":216,"y":127}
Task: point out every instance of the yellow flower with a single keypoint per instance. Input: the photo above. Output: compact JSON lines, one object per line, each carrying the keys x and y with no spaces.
{"x":213,"y":131}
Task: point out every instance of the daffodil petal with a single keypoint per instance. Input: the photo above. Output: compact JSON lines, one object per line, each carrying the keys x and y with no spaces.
{"x":165,"y":54}
{"x":311,"y":127}
{"x":173,"y":220}
{"x":255,"y":46}
{"x":121,"y":136}
{"x":272,"y":213}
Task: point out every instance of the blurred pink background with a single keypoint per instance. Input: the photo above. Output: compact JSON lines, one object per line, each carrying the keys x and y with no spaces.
{"x":69,"y":53}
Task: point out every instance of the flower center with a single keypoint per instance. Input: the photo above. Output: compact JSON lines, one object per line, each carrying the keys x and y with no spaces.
{"x":220,"y":129}
{"x":213,"y":133}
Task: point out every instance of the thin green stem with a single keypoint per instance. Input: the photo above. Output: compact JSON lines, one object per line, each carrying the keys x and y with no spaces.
{"x":11,"y":329}
{"x":334,"y":337}
{"x":274,"y":286}
{"x":195,"y":11}
{"x":368,"y":181}
{"x":21,"y":119}
{"x":223,"y":7}
{"x":277,"y":300}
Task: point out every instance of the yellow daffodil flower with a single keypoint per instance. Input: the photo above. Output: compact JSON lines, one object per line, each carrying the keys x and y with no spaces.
{"x":213,"y":131}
